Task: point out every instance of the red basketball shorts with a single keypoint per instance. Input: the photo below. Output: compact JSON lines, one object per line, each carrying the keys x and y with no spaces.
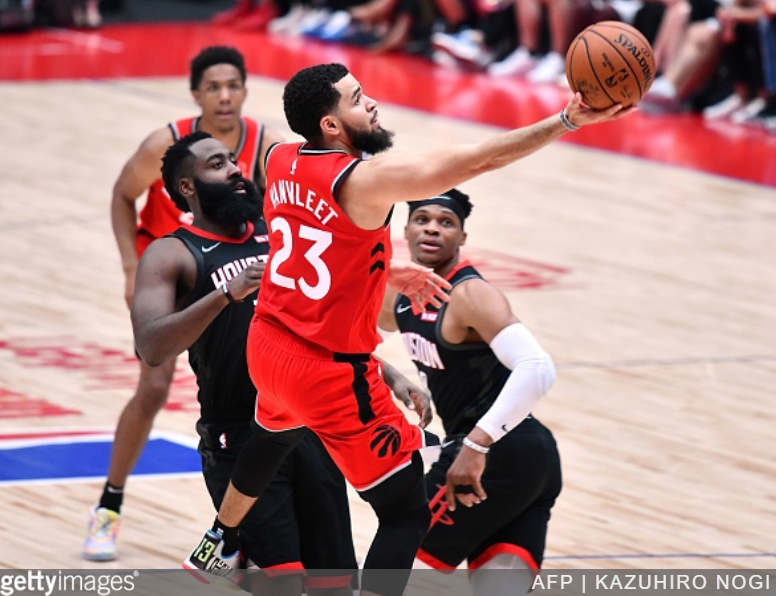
{"x":341,"y":397}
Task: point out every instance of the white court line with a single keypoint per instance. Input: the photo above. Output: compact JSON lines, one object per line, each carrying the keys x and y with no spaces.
{"x":97,"y":436}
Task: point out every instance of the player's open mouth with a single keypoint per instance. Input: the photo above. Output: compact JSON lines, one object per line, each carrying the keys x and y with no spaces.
{"x":429,"y":246}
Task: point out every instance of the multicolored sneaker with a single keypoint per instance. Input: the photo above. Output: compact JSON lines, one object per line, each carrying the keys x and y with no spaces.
{"x":207,"y":564}
{"x":100,"y":543}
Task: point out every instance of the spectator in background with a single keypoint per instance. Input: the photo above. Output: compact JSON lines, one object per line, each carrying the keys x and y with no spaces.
{"x":542,"y":63}
{"x":69,"y":13}
{"x":693,"y":57}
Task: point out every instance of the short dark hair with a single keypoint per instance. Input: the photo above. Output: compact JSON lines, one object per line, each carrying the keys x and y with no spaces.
{"x":212,"y":56}
{"x":177,"y":163}
{"x":309,"y":95}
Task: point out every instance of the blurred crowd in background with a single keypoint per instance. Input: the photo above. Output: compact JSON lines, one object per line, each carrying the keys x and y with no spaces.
{"x":714,"y":57}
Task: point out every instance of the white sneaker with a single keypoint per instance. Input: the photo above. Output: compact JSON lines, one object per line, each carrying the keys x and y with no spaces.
{"x":748,"y":112}
{"x":335,"y":27}
{"x":518,"y":62}
{"x":724,"y":108}
{"x":288,"y":22}
{"x":312,"y":20}
{"x":100,"y":542}
{"x":548,"y":69}
{"x":664,"y":89}
{"x":444,"y":59}
{"x":467,"y":45}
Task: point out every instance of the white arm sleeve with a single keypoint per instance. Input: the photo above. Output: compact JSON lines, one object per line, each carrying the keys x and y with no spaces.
{"x":533,"y":373}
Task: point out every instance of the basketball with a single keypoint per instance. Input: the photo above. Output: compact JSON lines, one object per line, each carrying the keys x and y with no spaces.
{"x":610,"y":63}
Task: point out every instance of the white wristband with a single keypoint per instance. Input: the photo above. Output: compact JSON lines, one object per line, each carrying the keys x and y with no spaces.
{"x":568,"y":124}
{"x":474,"y":446}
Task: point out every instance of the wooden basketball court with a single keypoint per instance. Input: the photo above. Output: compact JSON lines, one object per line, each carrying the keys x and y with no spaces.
{"x":651,"y":285}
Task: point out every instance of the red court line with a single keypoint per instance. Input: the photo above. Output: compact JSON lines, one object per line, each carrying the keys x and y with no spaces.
{"x":164,"y":49}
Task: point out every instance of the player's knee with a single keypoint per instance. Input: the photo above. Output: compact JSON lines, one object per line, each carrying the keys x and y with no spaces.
{"x":149,"y":399}
{"x":414,"y":523}
{"x":260,"y":458}
{"x":505,"y":561}
{"x":153,"y":388}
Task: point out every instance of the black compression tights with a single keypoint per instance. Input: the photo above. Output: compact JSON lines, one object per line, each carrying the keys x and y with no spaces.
{"x":402,"y":511}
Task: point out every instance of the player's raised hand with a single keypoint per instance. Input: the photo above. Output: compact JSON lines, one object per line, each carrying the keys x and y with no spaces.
{"x":580,"y":115}
{"x":420,"y":284}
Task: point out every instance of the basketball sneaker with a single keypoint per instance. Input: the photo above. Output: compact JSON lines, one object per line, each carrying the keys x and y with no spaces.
{"x":517,"y":63}
{"x":207,"y":563}
{"x":100,"y":542}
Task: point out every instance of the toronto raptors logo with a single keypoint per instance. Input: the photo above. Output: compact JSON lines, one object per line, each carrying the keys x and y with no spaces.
{"x":385,"y":441}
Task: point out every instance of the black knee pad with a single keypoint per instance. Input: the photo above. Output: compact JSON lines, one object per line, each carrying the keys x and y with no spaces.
{"x":261,"y":457}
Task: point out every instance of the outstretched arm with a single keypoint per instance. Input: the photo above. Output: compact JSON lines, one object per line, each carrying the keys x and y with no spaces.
{"x":393,"y":176}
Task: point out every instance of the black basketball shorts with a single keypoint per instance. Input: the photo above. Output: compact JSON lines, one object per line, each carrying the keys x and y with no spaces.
{"x":522,"y":480}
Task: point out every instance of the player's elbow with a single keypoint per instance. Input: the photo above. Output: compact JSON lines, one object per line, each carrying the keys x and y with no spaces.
{"x":146,"y":351}
{"x":149,"y":357}
{"x":545,"y":373}
{"x":539,"y":372}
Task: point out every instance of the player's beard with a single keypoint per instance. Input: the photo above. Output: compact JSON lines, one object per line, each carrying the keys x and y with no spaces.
{"x":370,"y":141}
{"x":222,"y":204}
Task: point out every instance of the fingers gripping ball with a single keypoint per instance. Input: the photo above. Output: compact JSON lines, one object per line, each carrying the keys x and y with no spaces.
{"x":609,"y":63}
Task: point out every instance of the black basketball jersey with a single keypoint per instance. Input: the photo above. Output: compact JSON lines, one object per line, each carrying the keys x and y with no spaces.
{"x":218,"y":356}
{"x":464,"y":379}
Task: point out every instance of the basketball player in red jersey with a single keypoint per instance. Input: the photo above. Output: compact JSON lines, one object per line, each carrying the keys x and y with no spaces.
{"x":218,"y":86}
{"x":310,"y":343}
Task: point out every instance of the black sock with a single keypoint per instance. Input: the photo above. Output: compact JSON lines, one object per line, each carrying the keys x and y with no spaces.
{"x":112,"y":497}
{"x":229,"y":535}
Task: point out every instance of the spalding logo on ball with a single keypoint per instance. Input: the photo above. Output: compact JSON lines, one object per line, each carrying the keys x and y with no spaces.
{"x":609,"y":63}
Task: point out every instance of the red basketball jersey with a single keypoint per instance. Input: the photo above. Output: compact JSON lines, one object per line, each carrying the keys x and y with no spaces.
{"x":325,"y":278}
{"x":160,"y":216}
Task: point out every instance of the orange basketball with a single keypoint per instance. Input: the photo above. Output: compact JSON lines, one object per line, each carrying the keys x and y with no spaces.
{"x":609,"y":63}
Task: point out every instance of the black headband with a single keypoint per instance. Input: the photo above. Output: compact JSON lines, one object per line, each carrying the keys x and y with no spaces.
{"x":444,"y":201}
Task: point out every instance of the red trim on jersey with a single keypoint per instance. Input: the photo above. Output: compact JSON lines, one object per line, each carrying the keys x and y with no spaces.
{"x":203,"y":234}
{"x":333,"y":581}
{"x":503,"y":549}
{"x":457,"y":268}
